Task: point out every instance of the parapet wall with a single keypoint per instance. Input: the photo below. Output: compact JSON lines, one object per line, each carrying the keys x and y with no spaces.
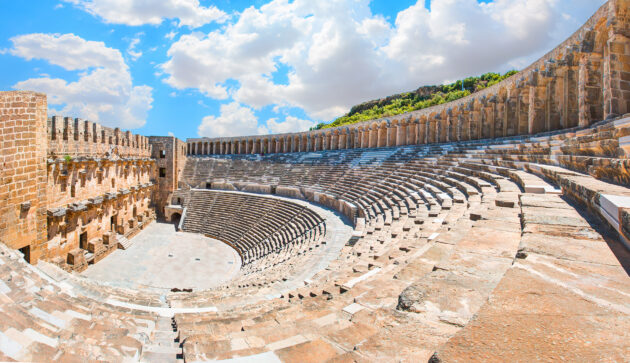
{"x":77,"y":137}
{"x":583,"y":80}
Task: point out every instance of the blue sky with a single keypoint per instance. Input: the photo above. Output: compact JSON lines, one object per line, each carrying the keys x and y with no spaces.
{"x":232,"y":67}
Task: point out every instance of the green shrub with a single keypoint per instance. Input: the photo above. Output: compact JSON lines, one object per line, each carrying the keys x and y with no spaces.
{"x":412,"y":101}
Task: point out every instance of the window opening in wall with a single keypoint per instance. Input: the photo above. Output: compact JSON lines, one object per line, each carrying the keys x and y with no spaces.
{"x":72,"y":191}
{"x":113,"y":223}
{"x":113,"y":182}
{"x":162,"y":172}
{"x":162,"y":154}
{"x":26,"y":251}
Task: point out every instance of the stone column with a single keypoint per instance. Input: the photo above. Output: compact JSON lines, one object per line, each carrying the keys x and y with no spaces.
{"x":511,"y":111}
{"x":499,"y":117}
{"x":568,"y":76}
{"x":422,"y":130}
{"x":537,"y":97}
{"x":365,"y":137}
{"x":382,"y":135}
{"x":412,"y":132}
{"x":522,"y":110}
{"x":616,"y":76}
{"x":400,"y":134}
{"x":391,"y":136}
{"x":590,"y":90}
{"x":341,"y":141}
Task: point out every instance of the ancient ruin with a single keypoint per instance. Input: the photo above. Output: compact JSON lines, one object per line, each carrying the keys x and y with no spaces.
{"x":494,"y":228}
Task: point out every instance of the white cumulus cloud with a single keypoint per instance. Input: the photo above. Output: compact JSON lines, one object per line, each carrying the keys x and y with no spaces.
{"x":234,"y":120}
{"x":139,"y":12}
{"x":104,"y":91}
{"x":339,"y":53}
{"x":290,"y":124}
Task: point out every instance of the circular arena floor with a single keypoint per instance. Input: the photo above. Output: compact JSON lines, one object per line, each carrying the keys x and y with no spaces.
{"x":162,"y":259}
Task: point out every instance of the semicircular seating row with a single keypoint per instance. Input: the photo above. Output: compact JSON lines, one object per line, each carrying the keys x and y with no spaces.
{"x":459,"y":241}
{"x":255,"y":226}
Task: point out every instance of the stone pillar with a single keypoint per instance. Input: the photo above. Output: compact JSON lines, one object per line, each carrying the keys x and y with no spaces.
{"x":382,"y":135}
{"x":341,"y":141}
{"x":439,"y":127}
{"x":372,"y":135}
{"x":500,"y":120}
{"x":391,"y":136}
{"x":422,"y":130}
{"x":522,"y":110}
{"x":489,"y":114}
{"x":511,"y":111}
{"x":537,"y":111}
{"x":365,"y":137}
{"x":616,"y":77}
{"x":570,"y":106}
{"x":462,"y":123}
{"x":401,"y":138}
{"x":590,"y":90}
{"x":412,"y":132}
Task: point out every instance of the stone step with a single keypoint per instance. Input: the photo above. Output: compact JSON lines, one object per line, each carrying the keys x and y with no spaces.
{"x":123,"y":242}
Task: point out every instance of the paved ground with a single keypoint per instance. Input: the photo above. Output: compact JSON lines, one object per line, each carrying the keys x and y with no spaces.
{"x":161,"y":259}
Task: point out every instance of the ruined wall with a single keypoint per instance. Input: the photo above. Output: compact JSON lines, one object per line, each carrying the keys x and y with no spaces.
{"x":23,"y":172}
{"x":169,"y":154}
{"x":91,"y":201}
{"x":75,"y":137}
{"x":583,"y":80}
{"x":99,"y":183}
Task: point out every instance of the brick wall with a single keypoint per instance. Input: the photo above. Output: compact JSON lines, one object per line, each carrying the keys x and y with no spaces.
{"x":23,"y":146}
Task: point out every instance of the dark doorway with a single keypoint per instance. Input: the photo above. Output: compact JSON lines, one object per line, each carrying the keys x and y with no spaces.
{"x":176,"y":218}
{"x":135,"y":211}
{"x":26,"y":251}
{"x":83,"y":241}
{"x":113,"y":224}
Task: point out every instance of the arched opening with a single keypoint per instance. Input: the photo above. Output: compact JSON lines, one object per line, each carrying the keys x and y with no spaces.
{"x":175,"y":219}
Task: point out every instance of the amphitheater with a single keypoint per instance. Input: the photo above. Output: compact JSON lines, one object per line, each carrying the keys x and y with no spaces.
{"x":492,"y":228}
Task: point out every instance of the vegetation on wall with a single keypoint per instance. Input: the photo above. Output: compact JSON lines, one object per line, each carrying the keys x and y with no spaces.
{"x":423,"y":97}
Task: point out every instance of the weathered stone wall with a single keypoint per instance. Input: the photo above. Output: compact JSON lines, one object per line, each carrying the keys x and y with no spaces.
{"x":169,"y":154}
{"x":23,"y":172}
{"x":91,"y":200}
{"x":77,"y":137}
{"x":584,"y":80}
{"x":68,"y":187}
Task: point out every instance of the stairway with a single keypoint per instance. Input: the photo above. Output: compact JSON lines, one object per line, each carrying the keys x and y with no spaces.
{"x":123,"y":242}
{"x":165,"y":345}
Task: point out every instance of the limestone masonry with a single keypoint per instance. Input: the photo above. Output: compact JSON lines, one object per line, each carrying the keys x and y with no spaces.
{"x":492,"y":228}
